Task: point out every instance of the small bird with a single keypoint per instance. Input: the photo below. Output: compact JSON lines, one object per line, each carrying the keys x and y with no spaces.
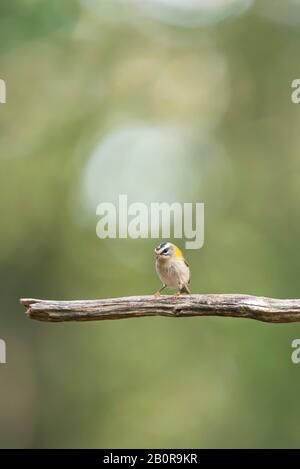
{"x":172,"y":269}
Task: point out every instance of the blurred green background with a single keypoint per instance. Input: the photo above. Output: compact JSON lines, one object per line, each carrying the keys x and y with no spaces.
{"x":162,"y":100}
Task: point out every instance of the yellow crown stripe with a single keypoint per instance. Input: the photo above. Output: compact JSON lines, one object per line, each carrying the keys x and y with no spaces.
{"x":178,"y":252}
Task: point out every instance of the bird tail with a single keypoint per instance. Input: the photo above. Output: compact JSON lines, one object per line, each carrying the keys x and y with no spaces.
{"x":185,"y":289}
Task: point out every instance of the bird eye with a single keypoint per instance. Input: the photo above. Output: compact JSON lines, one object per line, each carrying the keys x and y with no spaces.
{"x":165,"y":251}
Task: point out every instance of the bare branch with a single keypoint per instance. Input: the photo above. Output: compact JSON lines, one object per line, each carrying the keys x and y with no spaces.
{"x":238,"y":306}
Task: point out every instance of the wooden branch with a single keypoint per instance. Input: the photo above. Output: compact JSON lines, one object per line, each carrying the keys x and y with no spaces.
{"x":238,"y":306}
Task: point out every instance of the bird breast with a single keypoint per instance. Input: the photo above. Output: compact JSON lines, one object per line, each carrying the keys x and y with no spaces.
{"x":173,"y":273}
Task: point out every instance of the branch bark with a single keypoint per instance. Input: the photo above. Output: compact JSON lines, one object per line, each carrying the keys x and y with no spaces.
{"x":227,"y":305}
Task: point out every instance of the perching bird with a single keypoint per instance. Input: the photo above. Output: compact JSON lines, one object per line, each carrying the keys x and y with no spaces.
{"x":172,"y":269}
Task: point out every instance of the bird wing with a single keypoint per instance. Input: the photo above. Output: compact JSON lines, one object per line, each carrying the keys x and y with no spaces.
{"x":186,"y":263}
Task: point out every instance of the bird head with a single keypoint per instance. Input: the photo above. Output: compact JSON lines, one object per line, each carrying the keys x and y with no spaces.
{"x":166,"y":251}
